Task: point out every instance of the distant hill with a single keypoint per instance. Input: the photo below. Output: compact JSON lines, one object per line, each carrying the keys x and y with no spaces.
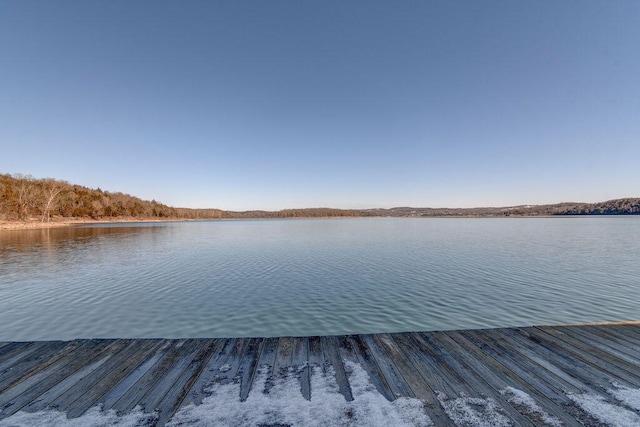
{"x":628,"y":206}
{"x":25,"y":198}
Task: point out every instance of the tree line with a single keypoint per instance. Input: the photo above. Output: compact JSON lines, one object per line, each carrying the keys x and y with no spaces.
{"x":25,"y":198}
{"x":626,"y":206}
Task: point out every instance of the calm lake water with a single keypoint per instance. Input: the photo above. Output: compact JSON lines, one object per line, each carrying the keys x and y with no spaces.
{"x":316,"y":276}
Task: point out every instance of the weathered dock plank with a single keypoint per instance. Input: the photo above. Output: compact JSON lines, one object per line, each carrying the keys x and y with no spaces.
{"x":209,"y":373}
{"x":450,"y":373}
{"x":138,"y":360}
{"x":15,"y":351}
{"x":145,"y":384}
{"x":632,"y":330}
{"x":316,"y":356}
{"x":501,"y":378}
{"x":330,"y":350}
{"x":20,"y":368}
{"x":176,"y":393}
{"x":249,"y":366}
{"x":387,"y":367}
{"x":24,"y":364}
{"x":534,"y":374}
{"x":58,"y":374}
{"x":169,"y":380}
{"x":267,"y":359}
{"x":445,"y":379}
{"x":602,"y":342}
{"x":590,"y":354}
{"x":419,"y":387}
{"x":582,"y":376}
{"x":85,"y":361}
{"x":479,"y":383}
{"x":628,"y":343}
{"x":353,"y":349}
{"x":300,"y":362}
{"x":229,"y":370}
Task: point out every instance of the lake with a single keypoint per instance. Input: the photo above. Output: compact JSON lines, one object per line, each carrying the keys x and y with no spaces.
{"x":316,"y":276}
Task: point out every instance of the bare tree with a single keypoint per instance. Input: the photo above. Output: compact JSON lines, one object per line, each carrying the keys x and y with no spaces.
{"x":50,"y":191}
{"x":26,"y":191}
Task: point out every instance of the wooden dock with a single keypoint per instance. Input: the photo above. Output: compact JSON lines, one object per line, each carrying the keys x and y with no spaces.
{"x":558,"y":367}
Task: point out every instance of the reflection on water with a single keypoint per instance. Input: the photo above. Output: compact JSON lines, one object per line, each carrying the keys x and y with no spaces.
{"x":317,"y":276}
{"x":34,"y":240}
{"x":31,"y":249}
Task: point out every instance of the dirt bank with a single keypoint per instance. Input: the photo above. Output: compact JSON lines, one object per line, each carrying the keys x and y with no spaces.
{"x":67,"y":222}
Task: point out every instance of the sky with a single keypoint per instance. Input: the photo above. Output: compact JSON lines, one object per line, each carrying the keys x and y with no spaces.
{"x":245,"y":105}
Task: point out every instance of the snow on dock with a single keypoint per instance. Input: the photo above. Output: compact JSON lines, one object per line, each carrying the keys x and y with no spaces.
{"x":533,"y":376}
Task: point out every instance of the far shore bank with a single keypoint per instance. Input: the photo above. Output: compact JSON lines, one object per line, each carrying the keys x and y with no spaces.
{"x":69,"y":222}
{"x":34,"y":224}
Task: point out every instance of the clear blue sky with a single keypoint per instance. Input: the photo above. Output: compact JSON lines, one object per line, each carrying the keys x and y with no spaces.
{"x":350,"y":104}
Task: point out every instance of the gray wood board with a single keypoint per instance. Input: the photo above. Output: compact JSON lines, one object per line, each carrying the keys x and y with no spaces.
{"x":549,"y":363}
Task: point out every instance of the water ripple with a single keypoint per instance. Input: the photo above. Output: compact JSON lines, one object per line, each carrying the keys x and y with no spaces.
{"x":311,"y":277}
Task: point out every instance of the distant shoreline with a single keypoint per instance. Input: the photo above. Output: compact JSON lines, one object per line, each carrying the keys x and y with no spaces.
{"x":35,"y":224}
{"x":70,"y":222}
{"x":28,"y":202}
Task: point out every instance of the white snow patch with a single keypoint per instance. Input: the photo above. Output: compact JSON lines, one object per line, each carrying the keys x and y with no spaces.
{"x":94,"y":417}
{"x":473,"y":411}
{"x":605,"y":412}
{"x":627,"y":395}
{"x":225,"y":368}
{"x":285,"y":405}
{"x":525,"y":403}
